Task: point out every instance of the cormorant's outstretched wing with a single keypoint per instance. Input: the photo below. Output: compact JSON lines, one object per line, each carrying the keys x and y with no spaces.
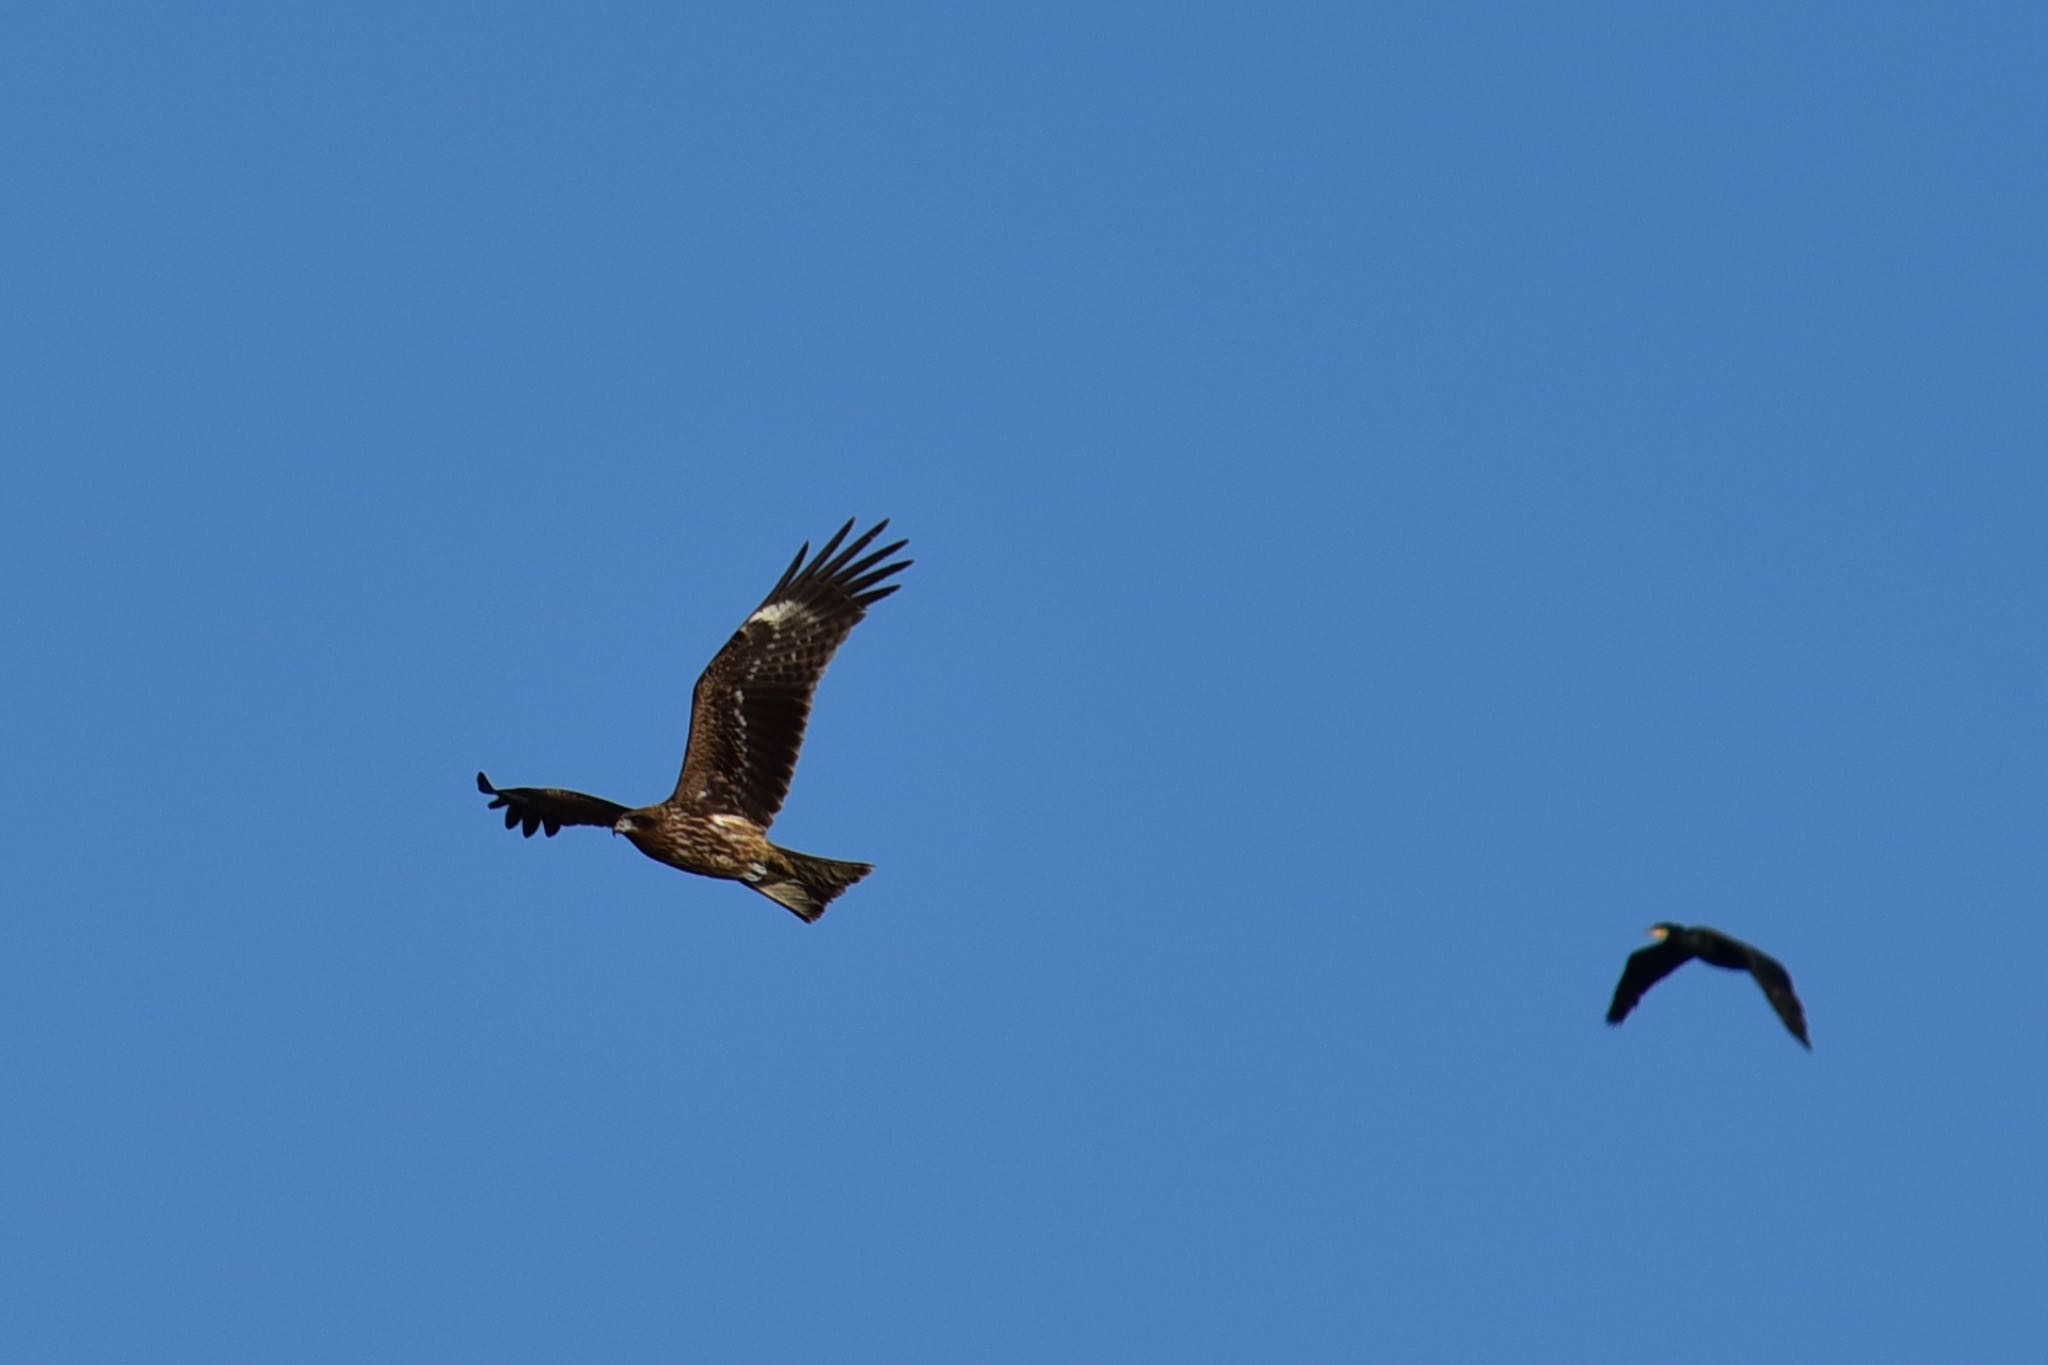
{"x":748,"y":715}
{"x":549,"y":808}
{"x":1777,"y":983}
{"x":1646,"y":967}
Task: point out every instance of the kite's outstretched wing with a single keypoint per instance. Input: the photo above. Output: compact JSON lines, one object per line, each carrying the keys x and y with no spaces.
{"x":548,"y":808}
{"x":748,"y":715}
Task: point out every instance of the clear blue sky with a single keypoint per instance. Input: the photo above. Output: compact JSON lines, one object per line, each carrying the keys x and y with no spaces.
{"x":1403,"y":498}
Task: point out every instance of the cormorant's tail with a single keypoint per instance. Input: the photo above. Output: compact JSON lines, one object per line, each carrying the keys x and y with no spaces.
{"x":815,"y":883}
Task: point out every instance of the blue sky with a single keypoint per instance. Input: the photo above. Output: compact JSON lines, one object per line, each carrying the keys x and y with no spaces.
{"x":1403,"y":498}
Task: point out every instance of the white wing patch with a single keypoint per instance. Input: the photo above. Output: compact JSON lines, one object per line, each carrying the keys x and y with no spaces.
{"x":775,"y":613}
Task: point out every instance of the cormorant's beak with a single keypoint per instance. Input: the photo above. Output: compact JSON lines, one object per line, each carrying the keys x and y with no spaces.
{"x":1660,"y":933}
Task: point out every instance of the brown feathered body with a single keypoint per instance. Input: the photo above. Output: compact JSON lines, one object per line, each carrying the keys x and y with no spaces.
{"x":747,"y":720}
{"x":734,"y":848}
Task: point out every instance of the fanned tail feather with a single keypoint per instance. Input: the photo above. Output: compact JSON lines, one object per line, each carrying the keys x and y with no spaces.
{"x":816,"y":883}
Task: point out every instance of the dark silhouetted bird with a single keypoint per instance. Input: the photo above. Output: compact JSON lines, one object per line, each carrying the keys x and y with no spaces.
{"x":747,"y":719}
{"x":1678,"y":944}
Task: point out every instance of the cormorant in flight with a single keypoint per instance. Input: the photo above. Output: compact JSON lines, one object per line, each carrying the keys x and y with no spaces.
{"x":1678,"y":944}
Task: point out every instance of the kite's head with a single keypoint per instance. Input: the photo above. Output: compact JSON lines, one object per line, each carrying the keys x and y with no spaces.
{"x":624,"y":825}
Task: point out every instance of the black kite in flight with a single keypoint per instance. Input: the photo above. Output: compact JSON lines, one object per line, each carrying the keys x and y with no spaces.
{"x":746,"y":725}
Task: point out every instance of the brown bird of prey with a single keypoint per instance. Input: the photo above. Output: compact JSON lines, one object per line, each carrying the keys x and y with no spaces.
{"x":746,"y":724}
{"x":1678,"y":944}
